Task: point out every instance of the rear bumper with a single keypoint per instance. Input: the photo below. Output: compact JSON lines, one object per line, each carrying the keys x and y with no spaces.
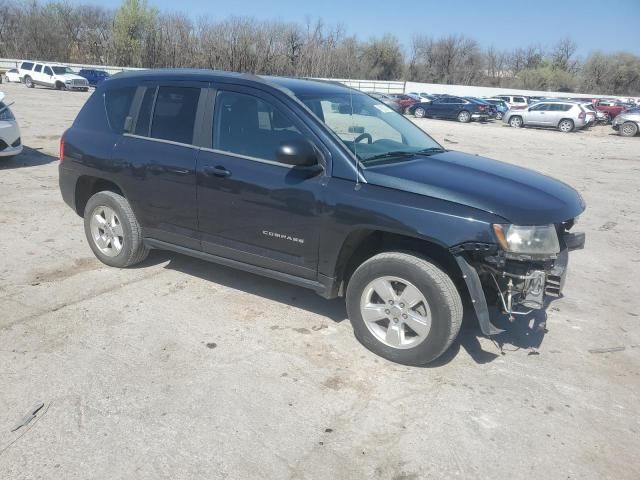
{"x":67,"y":179}
{"x":479,"y":116}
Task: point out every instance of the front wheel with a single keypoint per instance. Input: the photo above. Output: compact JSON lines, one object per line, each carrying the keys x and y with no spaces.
{"x":113,"y":231}
{"x":28,"y":82}
{"x":464,"y":117}
{"x":566,"y":125}
{"x":403,"y":308}
{"x":628,"y":129}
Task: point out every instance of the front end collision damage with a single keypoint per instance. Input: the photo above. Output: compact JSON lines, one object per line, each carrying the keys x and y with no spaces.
{"x":521,"y":285}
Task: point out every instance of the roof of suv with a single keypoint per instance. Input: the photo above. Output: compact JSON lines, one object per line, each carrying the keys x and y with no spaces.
{"x":299,"y":85}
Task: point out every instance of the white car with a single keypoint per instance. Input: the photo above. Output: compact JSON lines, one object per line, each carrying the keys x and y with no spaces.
{"x":12,"y":75}
{"x":514,"y":101}
{"x":51,"y":75}
{"x":10,"y":143}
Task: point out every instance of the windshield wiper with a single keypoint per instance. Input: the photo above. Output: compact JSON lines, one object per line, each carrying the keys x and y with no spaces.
{"x":405,"y":153}
{"x":431,"y":150}
{"x":397,"y":153}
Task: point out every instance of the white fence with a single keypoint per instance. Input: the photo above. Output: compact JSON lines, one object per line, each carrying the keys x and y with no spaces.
{"x":9,"y":63}
{"x":376,"y":85}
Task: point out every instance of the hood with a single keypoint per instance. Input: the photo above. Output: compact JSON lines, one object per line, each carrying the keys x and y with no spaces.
{"x":69,"y":76}
{"x":518,"y":195}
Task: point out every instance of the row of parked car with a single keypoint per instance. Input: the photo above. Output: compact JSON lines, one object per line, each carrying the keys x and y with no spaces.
{"x":565,"y":114}
{"x":53,"y":75}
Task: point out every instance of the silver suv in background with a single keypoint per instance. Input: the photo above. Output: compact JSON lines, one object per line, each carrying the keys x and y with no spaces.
{"x":627,"y":123}
{"x":565,"y":116}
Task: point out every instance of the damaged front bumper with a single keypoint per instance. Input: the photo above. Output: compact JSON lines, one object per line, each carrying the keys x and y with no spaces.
{"x":521,"y":285}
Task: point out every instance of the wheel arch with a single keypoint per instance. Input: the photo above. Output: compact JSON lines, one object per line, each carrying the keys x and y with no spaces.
{"x":87,"y":186}
{"x":363,"y":243}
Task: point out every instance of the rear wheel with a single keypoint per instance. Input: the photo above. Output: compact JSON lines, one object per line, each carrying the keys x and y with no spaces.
{"x":113,"y":231}
{"x":403,"y":308}
{"x":419,"y":112}
{"x":566,"y":125}
{"x":464,"y":117}
{"x":28,"y":82}
{"x":628,"y":129}
{"x":516,"y":121}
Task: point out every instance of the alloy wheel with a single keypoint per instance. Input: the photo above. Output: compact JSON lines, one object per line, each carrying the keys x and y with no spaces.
{"x":395,"y":312}
{"x":106,"y":231}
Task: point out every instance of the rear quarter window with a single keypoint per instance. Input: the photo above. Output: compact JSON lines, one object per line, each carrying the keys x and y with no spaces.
{"x":117,"y":103}
{"x":26,"y":65}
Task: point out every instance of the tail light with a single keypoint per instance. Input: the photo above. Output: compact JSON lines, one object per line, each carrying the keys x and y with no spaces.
{"x":62,"y":148}
{"x":481,"y":108}
{"x":582,"y":115}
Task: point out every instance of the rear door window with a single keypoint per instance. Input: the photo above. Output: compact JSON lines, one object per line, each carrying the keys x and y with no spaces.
{"x":174,"y":114}
{"x":48,"y":71}
{"x":38,"y":68}
{"x":540,"y":107}
{"x":146,"y":110}
{"x":117,"y":102}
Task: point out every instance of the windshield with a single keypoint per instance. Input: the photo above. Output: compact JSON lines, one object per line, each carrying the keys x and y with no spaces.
{"x":61,"y":70}
{"x":371,"y":130}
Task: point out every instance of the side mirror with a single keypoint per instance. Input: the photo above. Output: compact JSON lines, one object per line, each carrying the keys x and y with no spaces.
{"x":299,"y":153}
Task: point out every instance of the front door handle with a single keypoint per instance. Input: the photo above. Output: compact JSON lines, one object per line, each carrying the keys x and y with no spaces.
{"x":217,"y":171}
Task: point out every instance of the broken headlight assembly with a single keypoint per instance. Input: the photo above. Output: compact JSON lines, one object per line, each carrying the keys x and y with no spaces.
{"x":527,"y":242}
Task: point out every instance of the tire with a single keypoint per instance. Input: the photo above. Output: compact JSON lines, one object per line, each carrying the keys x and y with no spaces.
{"x":566,"y":125}
{"x":440,"y":304}
{"x":499,"y":116}
{"x":60,"y":86}
{"x":132,"y":249}
{"x":28,"y":82}
{"x":628,"y":129}
{"x":516,"y":121}
{"x":419,"y":112}
{"x":464,"y":116}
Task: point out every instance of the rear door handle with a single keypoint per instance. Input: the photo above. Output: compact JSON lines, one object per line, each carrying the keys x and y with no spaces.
{"x":217,"y":171}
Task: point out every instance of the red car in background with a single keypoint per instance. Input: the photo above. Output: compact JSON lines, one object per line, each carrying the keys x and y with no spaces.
{"x":610,"y":107}
{"x":405,"y":101}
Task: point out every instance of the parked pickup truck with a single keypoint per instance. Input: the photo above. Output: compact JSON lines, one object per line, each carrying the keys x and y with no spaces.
{"x":610,"y":108}
{"x":322,"y":186}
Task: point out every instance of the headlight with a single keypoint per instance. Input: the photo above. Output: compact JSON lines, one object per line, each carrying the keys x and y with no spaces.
{"x":528,"y":240}
{"x":5,"y":114}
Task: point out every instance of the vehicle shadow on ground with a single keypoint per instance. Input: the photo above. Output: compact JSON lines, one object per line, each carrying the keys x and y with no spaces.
{"x":526,"y":332}
{"x":523,"y":333}
{"x":30,"y":157}
{"x":271,"y":289}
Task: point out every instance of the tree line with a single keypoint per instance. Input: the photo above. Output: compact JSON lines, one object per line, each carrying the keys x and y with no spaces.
{"x":137,"y":35}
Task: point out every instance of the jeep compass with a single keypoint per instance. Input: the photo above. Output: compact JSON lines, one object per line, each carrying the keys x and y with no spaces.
{"x":322,"y":186}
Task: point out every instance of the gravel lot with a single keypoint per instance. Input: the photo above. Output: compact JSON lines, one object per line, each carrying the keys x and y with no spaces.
{"x":183,"y":369}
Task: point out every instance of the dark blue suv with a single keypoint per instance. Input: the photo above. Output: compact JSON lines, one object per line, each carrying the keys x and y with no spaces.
{"x":321,"y":186}
{"x":95,"y":77}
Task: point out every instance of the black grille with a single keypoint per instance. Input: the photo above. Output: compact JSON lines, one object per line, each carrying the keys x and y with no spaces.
{"x":16,"y":143}
{"x":3,"y":145}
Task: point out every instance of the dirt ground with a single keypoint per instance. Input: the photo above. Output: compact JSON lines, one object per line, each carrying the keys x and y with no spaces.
{"x":183,"y":369}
